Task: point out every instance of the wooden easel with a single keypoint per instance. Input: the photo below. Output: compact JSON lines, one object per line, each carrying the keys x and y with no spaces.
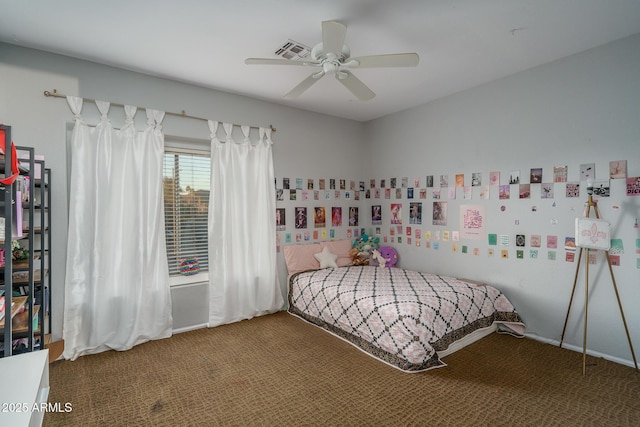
{"x":593,"y":204}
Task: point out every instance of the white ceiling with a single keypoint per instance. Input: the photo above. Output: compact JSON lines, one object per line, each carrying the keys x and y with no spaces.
{"x":461,"y":43}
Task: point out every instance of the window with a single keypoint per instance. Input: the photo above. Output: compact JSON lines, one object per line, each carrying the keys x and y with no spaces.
{"x":186,"y":184}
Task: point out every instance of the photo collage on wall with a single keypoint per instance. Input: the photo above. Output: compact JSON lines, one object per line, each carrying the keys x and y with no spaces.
{"x":426,"y":202}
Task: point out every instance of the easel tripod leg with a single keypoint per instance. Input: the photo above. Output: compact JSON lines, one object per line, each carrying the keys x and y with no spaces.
{"x":573,"y":291}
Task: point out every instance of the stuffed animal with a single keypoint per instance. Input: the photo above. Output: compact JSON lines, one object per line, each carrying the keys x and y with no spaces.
{"x":377,"y":259}
{"x":389,"y":255}
{"x":357,"y":258}
{"x":361,"y":251}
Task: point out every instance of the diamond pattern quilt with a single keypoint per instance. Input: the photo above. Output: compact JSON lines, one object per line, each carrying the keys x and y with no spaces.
{"x":402,"y":317}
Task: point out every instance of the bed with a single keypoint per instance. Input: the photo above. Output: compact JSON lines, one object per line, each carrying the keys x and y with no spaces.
{"x":405,"y":318}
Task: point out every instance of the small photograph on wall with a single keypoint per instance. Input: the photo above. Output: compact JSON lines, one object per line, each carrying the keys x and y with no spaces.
{"x":319,"y":217}
{"x":321,"y":184}
{"x":451,"y":193}
{"x":405,"y":182}
{"x":310,"y":184}
{"x":602,"y":188}
{"x":293,"y":195}
{"x":525,"y":191}
{"x":429,"y":181}
{"x":573,"y":189}
{"x":423,"y":193}
{"x":536,"y":176}
{"x":494,"y":178}
{"x":279,"y":195}
{"x":336,"y":216}
{"x":332,"y":183}
{"x":396,"y":213}
{"x":618,"y":169}
{"x":392,"y":183}
{"x":301,"y":217}
{"x":436,"y":193}
{"x":467,"y":192}
{"x":476,"y":179}
{"x":472,"y":221}
{"x":570,"y":244}
{"x":514,"y":177}
{"x":376,"y":214}
{"x":281,"y":222}
{"x":415,"y":213}
{"x":439,"y":213}
{"x":535,"y":240}
{"x":587,"y":171}
{"x":353,"y":216}
{"x":460,"y":180}
{"x":547,"y":191}
{"x":485,"y":192}
{"x":505,"y":191}
{"x":560,"y":174}
{"x":633,"y":186}
{"x":444,"y":180}
{"x":285,"y":183}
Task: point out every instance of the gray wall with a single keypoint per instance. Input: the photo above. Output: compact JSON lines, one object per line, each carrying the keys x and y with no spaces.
{"x":578,"y":110}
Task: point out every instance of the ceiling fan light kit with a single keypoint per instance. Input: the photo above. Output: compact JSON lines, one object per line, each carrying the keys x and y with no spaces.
{"x":332,"y":55}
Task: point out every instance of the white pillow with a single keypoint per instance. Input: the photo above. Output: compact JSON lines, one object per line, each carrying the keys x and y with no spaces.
{"x":326,"y":258}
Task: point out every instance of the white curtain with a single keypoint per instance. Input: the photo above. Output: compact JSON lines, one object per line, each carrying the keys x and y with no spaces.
{"x":242,"y":234}
{"x":117,"y":278}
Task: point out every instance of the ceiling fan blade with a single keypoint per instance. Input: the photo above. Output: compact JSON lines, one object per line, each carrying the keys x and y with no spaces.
{"x":355,"y":85}
{"x":304,"y":85}
{"x":333,"y":35}
{"x":278,"y":61}
{"x":390,"y":60}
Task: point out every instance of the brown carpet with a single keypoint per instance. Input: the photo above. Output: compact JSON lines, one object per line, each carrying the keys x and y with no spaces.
{"x":279,"y":370}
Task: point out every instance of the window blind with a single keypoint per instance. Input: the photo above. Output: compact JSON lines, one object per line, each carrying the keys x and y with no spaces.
{"x":186,"y":184}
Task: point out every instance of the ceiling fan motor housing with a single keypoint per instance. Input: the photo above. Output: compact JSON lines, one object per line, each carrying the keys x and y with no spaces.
{"x":318,"y":54}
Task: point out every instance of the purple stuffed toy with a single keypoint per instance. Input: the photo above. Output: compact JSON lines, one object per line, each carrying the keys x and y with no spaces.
{"x":385,"y":254}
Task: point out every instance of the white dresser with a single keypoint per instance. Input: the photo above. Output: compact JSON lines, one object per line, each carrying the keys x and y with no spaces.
{"x":24,"y":385}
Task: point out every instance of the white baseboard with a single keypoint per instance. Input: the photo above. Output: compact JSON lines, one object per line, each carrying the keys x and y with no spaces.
{"x":189,"y":328}
{"x":579,"y":350}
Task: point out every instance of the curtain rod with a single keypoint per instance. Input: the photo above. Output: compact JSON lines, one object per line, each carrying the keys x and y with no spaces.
{"x":55,"y":94}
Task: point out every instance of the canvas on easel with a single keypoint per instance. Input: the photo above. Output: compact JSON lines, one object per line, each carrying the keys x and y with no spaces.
{"x":593,"y":234}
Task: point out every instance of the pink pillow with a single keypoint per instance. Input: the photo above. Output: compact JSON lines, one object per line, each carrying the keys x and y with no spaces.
{"x":340,"y":248}
{"x":301,"y":257}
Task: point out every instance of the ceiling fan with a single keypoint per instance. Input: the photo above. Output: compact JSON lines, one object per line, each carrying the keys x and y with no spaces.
{"x":333,"y":56}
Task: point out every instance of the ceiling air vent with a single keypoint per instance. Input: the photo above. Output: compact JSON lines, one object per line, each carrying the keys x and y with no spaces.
{"x":293,"y":50}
